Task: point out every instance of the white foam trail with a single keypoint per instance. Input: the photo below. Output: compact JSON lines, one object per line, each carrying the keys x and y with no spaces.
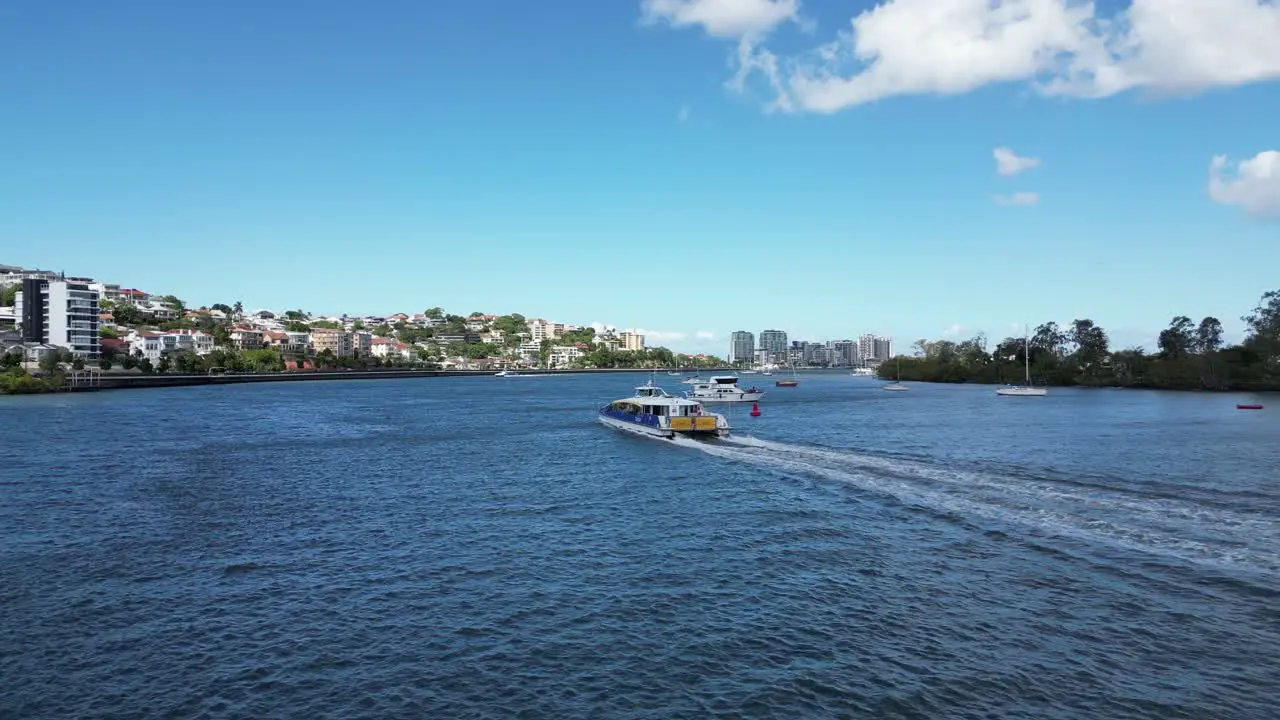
{"x":1221,"y":537}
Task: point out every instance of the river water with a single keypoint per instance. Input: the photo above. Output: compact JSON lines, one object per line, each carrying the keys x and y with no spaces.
{"x":483,"y":547}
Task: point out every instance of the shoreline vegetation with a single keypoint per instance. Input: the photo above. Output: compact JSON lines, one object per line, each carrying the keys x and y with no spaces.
{"x":1191,"y":356}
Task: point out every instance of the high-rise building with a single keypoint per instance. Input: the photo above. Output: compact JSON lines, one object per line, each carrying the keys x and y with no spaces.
{"x":774,"y":345}
{"x":60,"y":313}
{"x":631,"y":340}
{"x":873,"y":348}
{"x":844,"y":352}
{"x":742,"y":346}
{"x":883,"y":348}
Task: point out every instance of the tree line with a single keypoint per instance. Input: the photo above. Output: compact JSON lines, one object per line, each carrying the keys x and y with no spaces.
{"x":1190,"y":355}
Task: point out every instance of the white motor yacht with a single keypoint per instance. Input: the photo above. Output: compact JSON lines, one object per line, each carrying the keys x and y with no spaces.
{"x":723,"y":388}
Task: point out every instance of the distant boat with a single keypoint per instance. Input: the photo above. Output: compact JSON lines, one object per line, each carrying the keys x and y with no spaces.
{"x":1024,"y":390}
{"x":862,"y":372}
{"x":897,"y":385}
{"x":723,"y":388}
{"x":793,"y":382}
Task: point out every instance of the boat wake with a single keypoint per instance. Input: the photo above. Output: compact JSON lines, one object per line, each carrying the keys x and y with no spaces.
{"x":1180,"y":528}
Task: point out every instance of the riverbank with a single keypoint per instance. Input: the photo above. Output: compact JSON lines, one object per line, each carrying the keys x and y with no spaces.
{"x":1226,"y":388}
{"x":121,"y":381}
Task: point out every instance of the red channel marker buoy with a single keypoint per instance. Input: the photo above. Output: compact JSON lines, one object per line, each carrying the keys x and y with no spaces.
{"x":755,"y":409}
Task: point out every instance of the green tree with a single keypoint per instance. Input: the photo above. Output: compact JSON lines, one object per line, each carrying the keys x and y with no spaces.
{"x":77,"y":364}
{"x":1178,"y":340}
{"x":165,"y":364}
{"x":108,"y":333}
{"x":104,"y":363}
{"x":384,"y":331}
{"x":237,"y":310}
{"x":145,"y":366}
{"x":1050,"y":338}
{"x":221,"y":336}
{"x":434,"y":313}
{"x":222,"y":308}
{"x":1264,"y":330}
{"x":187,"y":363}
{"x":9,"y":295}
{"x":50,"y":363}
{"x":1209,"y":336}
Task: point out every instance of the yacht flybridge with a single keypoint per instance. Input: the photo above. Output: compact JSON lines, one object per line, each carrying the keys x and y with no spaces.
{"x":651,"y":411}
{"x":723,"y":388}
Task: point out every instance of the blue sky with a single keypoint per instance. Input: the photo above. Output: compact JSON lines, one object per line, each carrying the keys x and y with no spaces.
{"x":619,"y":162}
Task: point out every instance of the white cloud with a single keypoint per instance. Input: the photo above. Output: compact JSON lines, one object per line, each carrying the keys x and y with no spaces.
{"x":947,"y":47}
{"x":1252,"y":184}
{"x":953,"y":331}
{"x":1009,"y":162}
{"x":652,"y":336}
{"x":704,"y":335}
{"x":1018,"y":198}
{"x":722,"y":18}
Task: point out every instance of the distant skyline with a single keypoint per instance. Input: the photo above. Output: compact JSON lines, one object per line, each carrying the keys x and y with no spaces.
{"x":684,"y":167}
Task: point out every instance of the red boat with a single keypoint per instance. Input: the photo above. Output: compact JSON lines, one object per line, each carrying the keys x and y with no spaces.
{"x":786,"y":383}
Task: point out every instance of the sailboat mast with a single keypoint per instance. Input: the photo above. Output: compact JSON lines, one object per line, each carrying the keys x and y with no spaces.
{"x":1026,"y":351}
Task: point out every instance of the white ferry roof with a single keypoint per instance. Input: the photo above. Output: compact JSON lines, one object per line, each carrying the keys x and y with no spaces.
{"x":653,"y":394}
{"x":724,"y":379}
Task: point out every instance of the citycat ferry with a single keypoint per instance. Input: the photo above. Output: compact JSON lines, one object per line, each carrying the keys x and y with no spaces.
{"x":651,"y":411}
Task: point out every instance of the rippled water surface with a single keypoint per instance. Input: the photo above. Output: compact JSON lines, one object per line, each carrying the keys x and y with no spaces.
{"x":481,"y":547}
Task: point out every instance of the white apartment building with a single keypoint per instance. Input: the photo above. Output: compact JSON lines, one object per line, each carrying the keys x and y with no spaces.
{"x":60,"y":313}
{"x":540,"y":330}
{"x":631,"y":340}
{"x":153,"y":346}
{"x":247,"y":338}
{"x":106,"y":291}
{"x":361,"y":343}
{"x":563,"y":355}
{"x":337,"y":342}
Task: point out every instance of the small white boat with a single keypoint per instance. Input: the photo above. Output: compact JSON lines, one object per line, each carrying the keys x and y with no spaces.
{"x":862,"y":372}
{"x":1022,"y":391}
{"x":723,"y":388}
{"x":1027,"y":390}
{"x":691,"y":380}
{"x":652,"y":412}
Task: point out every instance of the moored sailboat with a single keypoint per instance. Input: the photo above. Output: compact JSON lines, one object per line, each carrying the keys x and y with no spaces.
{"x":1027,"y":390}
